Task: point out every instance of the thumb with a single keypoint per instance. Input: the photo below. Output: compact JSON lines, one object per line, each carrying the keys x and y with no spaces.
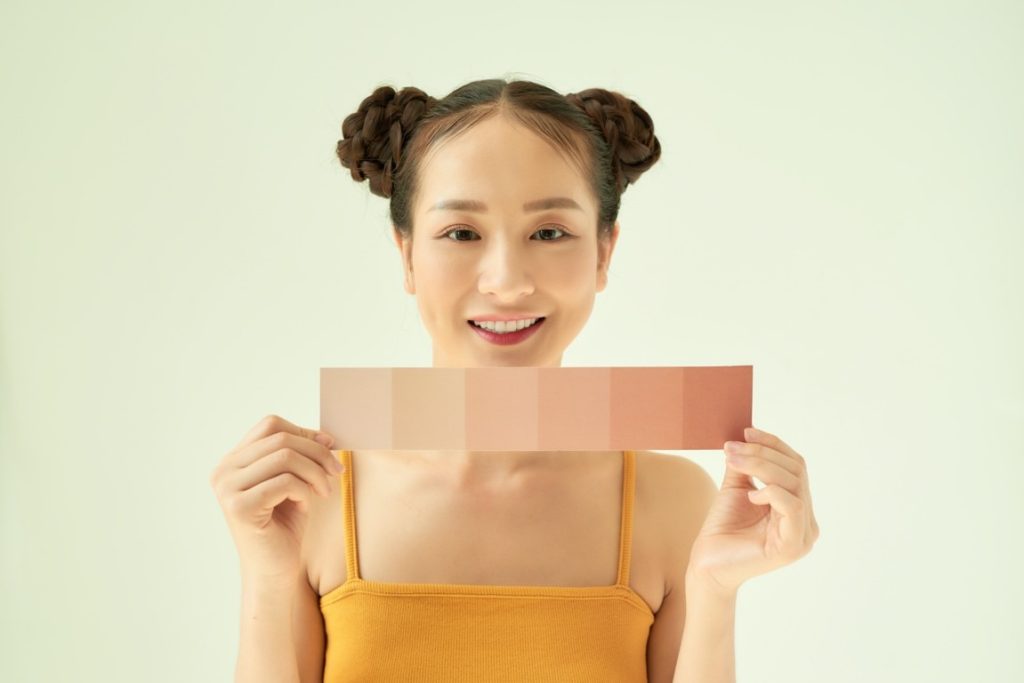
{"x":733,"y":478}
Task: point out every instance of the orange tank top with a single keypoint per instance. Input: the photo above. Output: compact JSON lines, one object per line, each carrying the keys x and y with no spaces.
{"x":426,"y":632}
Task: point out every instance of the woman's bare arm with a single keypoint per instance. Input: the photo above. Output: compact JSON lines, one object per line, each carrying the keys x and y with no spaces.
{"x":707,"y":653}
{"x":266,"y":651}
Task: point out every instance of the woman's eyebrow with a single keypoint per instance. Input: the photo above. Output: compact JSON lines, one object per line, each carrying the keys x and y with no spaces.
{"x":471,"y":205}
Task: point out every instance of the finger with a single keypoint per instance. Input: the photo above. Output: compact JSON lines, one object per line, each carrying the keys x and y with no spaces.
{"x":795,"y":461}
{"x":258,"y":502}
{"x":765,"y":470}
{"x":754,"y":435}
{"x":275,"y":442}
{"x":792,"y":522}
{"x":761,"y":451}
{"x":284,"y":460}
{"x":761,"y":436}
{"x":271,"y":424}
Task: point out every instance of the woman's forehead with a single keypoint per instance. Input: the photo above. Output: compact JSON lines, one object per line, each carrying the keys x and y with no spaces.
{"x":499,"y":165}
{"x":464,"y":187}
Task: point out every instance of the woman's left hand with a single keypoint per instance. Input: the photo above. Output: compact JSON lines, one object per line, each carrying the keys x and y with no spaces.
{"x":750,"y":531}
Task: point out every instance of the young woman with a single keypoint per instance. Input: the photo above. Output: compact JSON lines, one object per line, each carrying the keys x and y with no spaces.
{"x":500,"y":566}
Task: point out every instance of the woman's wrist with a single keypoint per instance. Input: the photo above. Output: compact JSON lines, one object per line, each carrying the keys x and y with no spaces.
{"x":708,"y":589}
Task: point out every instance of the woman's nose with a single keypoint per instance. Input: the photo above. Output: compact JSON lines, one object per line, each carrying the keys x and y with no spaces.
{"x":505,"y":273}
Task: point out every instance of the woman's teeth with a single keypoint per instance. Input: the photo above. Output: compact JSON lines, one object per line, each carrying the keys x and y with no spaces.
{"x":502,"y":327}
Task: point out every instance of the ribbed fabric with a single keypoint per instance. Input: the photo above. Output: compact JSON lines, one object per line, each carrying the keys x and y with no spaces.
{"x":424,"y":632}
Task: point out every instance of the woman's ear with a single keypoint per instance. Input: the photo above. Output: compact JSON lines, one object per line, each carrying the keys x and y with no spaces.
{"x":405,"y":251}
{"x":605,"y":247}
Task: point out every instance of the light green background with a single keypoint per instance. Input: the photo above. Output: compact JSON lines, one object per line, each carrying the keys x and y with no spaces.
{"x":838,"y":203}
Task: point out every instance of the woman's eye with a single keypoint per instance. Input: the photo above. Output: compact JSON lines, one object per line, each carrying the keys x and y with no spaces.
{"x":467,"y":230}
{"x":456,"y":230}
{"x":551,"y":229}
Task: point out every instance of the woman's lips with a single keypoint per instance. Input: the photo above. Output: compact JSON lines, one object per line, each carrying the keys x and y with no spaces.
{"x":507,"y":338}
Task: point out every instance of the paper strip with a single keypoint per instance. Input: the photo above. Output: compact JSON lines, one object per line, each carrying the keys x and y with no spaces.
{"x":527,"y":408}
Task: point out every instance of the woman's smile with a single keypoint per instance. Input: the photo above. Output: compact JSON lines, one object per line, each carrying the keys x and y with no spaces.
{"x":506,"y":338}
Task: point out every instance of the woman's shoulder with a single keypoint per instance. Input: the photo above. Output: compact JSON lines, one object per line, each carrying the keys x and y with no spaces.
{"x":675,"y":493}
{"x":680,"y":469}
{"x":678,"y":482}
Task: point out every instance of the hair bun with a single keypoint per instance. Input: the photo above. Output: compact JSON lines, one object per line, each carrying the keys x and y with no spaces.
{"x":373,"y":136}
{"x":626,"y":126}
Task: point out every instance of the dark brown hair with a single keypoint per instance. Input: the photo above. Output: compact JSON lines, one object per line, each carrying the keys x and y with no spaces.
{"x":608,"y":136}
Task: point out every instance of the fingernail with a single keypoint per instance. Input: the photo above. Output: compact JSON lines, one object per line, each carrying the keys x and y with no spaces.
{"x":324,"y":439}
{"x":733,"y":446}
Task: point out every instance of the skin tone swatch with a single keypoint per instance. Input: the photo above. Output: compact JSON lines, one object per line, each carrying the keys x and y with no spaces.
{"x":536,"y":408}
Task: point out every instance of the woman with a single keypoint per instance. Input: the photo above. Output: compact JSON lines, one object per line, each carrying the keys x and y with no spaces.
{"x":480,"y":566}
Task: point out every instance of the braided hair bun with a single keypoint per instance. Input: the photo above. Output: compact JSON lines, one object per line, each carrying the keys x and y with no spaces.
{"x":373,"y":135}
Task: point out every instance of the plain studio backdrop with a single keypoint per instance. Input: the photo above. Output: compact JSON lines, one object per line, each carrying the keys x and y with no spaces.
{"x":838,"y":203}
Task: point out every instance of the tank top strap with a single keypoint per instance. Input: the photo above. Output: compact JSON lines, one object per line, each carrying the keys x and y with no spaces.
{"x":348,"y":513}
{"x":626,"y":531}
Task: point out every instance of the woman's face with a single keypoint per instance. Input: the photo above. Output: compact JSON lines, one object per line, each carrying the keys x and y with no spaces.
{"x":467,"y":263}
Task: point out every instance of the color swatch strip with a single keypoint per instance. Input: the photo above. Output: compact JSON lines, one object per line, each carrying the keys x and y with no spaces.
{"x":529,"y":408}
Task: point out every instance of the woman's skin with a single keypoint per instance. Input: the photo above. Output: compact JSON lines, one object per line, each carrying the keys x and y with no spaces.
{"x":479,"y":516}
{"x":502,"y":260}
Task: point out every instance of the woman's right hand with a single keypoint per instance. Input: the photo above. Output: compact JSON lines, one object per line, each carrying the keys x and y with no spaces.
{"x":264,"y":486}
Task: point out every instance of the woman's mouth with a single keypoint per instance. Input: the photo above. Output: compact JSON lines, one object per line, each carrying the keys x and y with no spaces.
{"x":506,"y":338}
